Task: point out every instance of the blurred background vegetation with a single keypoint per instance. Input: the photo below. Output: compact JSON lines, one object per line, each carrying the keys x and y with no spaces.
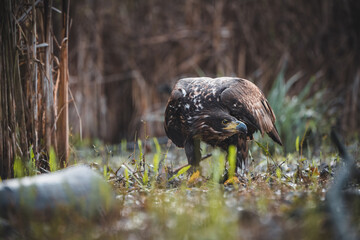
{"x":125,"y":56}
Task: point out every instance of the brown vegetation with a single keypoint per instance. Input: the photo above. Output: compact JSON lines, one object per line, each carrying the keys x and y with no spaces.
{"x":32,"y":76}
{"x":126,"y":54}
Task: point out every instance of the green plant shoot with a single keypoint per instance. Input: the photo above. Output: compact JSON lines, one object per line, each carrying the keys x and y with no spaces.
{"x":18,"y":168}
{"x":156,"y":158}
{"x":127,"y":177}
{"x":278,"y":173}
{"x":181,"y":171}
{"x":145,"y":177}
{"x":232,"y":161}
{"x":140,"y":154}
{"x":157,"y":145}
{"x":105,"y":172}
{"x":297,"y":142}
{"x":32,"y":163}
{"x":265,"y":149}
{"x":156,"y":161}
{"x":53,"y":160}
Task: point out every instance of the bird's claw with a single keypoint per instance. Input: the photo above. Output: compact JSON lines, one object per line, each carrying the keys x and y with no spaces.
{"x":232,"y":181}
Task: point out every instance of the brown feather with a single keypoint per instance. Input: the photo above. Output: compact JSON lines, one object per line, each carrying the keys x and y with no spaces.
{"x":251,"y":106}
{"x":198,"y":105}
{"x":242,"y":152}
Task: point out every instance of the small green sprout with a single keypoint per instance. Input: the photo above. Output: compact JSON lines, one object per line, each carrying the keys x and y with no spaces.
{"x":145,"y":177}
{"x":156,"y":158}
{"x":53,"y":160}
{"x":18,"y":167}
{"x":181,"y":171}
{"x":232,"y":161}
{"x":127,"y":177}
{"x":297,"y":143}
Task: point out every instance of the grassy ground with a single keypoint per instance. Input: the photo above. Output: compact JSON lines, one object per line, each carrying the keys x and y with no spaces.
{"x":276,"y":198}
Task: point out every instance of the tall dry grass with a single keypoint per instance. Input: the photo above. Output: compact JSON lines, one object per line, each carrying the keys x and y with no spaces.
{"x":31,"y":73}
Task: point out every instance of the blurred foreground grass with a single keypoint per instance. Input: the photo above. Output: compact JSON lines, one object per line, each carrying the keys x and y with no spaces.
{"x":279,"y":197}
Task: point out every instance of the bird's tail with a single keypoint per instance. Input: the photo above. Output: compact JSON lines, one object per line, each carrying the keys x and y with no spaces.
{"x":274,"y":135}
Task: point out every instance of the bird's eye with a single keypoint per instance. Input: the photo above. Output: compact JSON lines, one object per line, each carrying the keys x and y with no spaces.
{"x":225,"y":122}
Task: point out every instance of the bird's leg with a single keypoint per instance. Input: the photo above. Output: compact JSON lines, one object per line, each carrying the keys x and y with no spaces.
{"x":242,"y":153}
{"x":192,"y":150}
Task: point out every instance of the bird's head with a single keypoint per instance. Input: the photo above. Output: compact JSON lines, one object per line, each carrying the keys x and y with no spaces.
{"x":232,"y":125}
{"x":220,"y":124}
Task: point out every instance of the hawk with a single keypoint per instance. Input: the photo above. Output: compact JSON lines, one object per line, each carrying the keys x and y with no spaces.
{"x":220,"y":112}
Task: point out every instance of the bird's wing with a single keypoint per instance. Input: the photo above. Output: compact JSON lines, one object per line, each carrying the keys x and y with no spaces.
{"x":246,"y":102}
{"x":173,"y":118}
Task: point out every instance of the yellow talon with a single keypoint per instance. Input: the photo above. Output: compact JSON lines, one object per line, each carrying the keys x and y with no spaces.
{"x":233,"y":180}
{"x":193,"y":177}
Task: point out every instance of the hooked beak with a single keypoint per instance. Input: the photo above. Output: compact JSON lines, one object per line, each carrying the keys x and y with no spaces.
{"x":236,"y":126}
{"x":241,"y":127}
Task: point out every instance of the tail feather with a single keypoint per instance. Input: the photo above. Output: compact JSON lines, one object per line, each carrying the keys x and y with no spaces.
{"x":274,"y":135}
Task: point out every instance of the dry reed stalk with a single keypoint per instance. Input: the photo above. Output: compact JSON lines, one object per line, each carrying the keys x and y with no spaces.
{"x":27,"y":110}
{"x":8,"y":122}
{"x":63,"y":119}
{"x":47,"y":78}
{"x":34,"y":92}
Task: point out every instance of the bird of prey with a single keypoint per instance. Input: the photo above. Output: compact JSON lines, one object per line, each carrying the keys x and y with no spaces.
{"x":220,"y":112}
